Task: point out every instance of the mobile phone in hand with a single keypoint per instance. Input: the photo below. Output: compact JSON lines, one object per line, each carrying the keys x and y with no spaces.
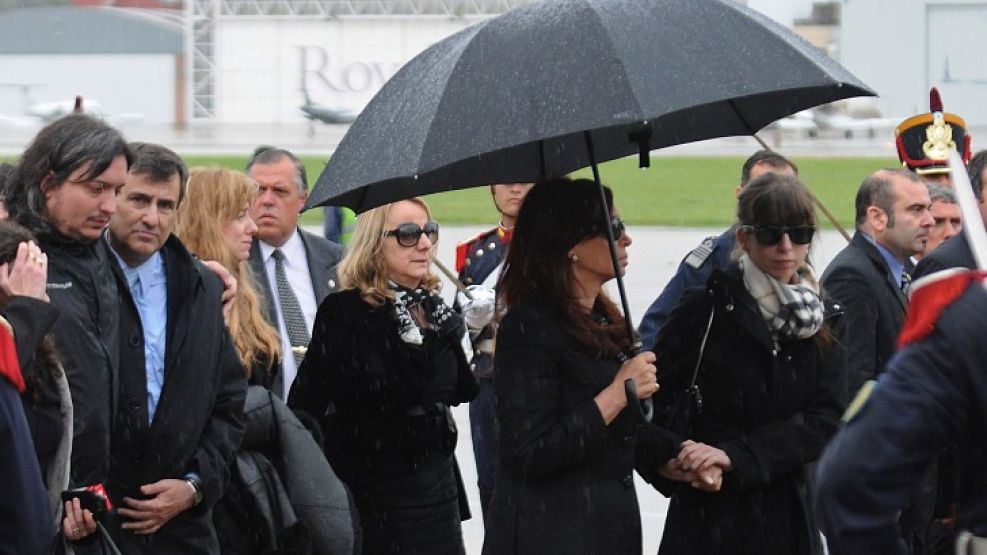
{"x":88,"y":500}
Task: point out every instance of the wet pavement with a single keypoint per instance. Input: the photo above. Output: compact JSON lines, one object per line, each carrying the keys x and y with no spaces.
{"x":654,"y":256}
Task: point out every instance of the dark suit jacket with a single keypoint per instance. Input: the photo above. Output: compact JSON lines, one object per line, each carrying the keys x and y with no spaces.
{"x":954,"y":253}
{"x":859,"y":279}
{"x":198,"y":424}
{"x":323,"y":256}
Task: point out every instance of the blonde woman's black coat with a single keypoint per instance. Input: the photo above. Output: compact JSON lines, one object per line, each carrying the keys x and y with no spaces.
{"x":770,"y":406}
{"x":388,"y":433}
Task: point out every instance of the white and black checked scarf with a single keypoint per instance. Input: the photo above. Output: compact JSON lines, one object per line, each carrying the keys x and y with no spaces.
{"x":792,"y":310}
{"x":440,"y":315}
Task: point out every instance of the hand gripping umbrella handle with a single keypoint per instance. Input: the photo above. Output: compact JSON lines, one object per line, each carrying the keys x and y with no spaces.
{"x":644,"y":409}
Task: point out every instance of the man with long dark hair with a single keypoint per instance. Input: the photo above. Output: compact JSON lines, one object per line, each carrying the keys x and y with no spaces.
{"x":63,"y":190}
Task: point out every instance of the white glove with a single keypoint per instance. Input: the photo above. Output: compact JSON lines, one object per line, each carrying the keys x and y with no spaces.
{"x":478,"y":311}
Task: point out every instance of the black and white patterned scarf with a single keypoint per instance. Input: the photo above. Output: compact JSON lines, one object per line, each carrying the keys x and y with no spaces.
{"x":792,"y":310}
{"x":441,"y":317}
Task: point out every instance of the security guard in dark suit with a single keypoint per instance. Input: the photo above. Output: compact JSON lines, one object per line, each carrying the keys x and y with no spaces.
{"x":712,"y":253}
{"x":933,"y":392}
{"x":478,"y":263}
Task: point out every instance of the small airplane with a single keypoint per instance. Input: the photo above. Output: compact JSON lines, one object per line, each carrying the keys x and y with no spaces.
{"x":850,"y":119}
{"x":846,"y":118}
{"x":325,"y":114}
{"x":50,"y":111}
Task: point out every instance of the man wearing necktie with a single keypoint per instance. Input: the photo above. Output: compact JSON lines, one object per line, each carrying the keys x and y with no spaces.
{"x":867,"y":279}
{"x":295,"y":268}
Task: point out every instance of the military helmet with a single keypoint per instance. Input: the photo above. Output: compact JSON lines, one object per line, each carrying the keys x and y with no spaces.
{"x":924,"y":141}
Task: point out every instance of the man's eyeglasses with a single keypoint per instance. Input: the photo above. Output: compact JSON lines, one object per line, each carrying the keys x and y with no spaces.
{"x":770,"y":235}
{"x":409,"y":234}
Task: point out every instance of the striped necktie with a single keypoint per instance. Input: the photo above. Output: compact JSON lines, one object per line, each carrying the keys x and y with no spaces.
{"x":906,"y":282}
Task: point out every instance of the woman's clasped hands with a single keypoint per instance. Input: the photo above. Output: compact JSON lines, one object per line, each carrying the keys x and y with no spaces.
{"x":699,"y":464}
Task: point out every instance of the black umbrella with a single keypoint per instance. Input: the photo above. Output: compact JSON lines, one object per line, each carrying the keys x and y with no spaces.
{"x":508,"y":99}
{"x":558,"y":85}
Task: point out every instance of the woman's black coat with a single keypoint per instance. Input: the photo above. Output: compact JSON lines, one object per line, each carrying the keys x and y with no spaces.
{"x":564,"y":477}
{"x":361,"y":382}
{"x":770,"y":407}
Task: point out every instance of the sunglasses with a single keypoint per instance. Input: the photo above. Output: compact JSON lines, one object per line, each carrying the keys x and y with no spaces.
{"x":770,"y":235}
{"x":409,"y":234}
{"x":616,"y":226}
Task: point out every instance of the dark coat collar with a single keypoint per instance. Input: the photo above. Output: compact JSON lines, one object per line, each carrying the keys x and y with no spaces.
{"x":861,"y":242}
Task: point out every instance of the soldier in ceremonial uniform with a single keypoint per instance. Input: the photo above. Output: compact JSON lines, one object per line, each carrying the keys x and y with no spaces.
{"x":478,"y":262}
{"x":934,"y":392}
{"x":924,"y":141}
{"x":712,"y":253}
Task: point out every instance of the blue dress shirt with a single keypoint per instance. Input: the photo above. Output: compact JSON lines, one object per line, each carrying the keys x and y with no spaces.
{"x":896,"y":267}
{"x":149,"y":288}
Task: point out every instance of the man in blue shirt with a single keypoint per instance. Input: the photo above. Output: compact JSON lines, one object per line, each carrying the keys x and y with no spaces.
{"x":712,"y":253}
{"x":179,"y":420}
{"x":869,"y":275}
{"x":868,"y":279}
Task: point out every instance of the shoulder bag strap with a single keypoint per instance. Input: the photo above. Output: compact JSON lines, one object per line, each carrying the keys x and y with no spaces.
{"x":702,"y":346}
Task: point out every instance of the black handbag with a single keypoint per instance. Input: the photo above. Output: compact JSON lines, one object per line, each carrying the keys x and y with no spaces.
{"x":688,"y":401}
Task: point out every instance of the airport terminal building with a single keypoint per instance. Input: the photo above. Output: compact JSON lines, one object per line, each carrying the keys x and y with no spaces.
{"x":260,"y":61}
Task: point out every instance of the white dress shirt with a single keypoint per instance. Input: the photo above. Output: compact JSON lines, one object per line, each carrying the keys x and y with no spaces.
{"x":296,"y":270}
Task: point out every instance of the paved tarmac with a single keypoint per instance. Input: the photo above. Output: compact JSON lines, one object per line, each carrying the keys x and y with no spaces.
{"x":654,"y":255}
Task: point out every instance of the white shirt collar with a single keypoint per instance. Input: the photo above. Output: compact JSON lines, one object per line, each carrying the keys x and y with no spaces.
{"x":293,"y":248}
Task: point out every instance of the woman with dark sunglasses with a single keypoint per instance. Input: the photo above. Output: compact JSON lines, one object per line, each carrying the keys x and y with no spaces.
{"x":772,"y":379}
{"x":566,"y":442}
{"x":385,"y":363}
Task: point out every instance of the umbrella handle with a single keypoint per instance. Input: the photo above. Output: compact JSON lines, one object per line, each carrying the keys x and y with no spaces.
{"x":452,"y":277}
{"x":644,"y":409}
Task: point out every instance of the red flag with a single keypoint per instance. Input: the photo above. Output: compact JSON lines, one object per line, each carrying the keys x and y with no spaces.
{"x":10,"y":368}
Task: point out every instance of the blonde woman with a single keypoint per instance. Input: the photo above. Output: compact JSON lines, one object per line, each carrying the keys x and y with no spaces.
{"x":385,"y":363}
{"x":214,"y":223}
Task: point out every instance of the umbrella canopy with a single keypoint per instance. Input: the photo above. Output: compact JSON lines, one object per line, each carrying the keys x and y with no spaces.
{"x":508,"y":100}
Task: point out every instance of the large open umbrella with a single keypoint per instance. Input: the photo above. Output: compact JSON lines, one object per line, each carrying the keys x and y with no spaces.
{"x":558,"y":85}
{"x":508,"y":99}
